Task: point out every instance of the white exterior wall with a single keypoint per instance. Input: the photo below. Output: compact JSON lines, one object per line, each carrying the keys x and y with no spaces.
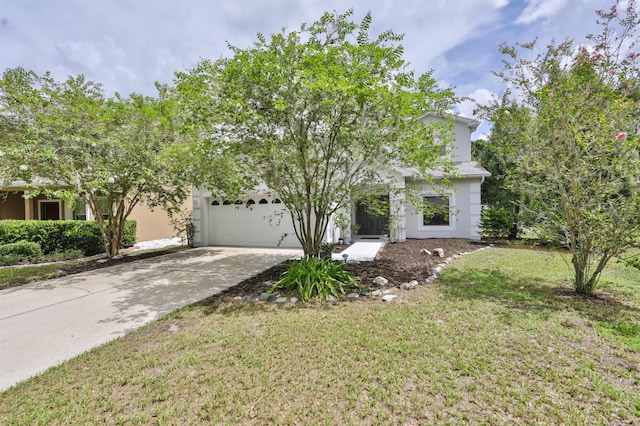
{"x":465,"y":216}
{"x":475,"y":208}
{"x":462,"y":129}
{"x":462,"y":147}
{"x":201,"y":236}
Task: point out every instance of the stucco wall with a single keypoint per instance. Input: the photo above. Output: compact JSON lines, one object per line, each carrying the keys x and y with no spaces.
{"x":155,"y":225}
{"x":201,"y":237}
{"x":462,"y":148}
{"x":462,"y":129}
{"x":466,"y":196}
{"x":12,"y":207}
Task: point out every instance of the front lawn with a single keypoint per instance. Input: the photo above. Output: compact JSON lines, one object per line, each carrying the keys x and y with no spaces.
{"x":499,"y":339}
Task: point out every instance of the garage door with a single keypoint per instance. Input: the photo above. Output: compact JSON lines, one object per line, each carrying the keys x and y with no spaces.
{"x":253,"y":222}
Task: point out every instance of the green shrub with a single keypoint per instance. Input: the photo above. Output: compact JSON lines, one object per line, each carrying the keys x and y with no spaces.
{"x":10,"y":259}
{"x":496,"y":223}
{"x":316,"y":277}
{"x":61,"y":235}
{"x":19,"y":252}
{"x":129,"y":234}
{"x":58,"y":256}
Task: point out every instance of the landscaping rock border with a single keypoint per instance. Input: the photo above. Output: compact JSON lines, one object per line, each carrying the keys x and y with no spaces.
{"x":382,"y":293}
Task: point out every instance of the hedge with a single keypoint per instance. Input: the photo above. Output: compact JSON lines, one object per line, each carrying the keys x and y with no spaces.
{"x":19,"y":252}
{"x":62,"y":235}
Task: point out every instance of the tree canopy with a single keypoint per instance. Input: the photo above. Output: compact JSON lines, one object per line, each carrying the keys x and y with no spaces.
{"x":572,"y":115}
{"x":317,"y":115}
{"x":68,"y":139}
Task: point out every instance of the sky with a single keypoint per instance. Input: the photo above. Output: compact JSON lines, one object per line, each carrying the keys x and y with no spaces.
{"x":127,"y":45}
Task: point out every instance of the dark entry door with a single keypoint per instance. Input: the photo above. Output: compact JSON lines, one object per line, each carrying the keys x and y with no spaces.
{"x":50,"y":210}
{"x":371,"y":223}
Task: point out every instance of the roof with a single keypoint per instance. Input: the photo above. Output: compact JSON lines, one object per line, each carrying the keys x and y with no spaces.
{"x":463,"y":170}
{"x":469,"y":122}
{"x":472,"y":169}
{"x":20,"y":184}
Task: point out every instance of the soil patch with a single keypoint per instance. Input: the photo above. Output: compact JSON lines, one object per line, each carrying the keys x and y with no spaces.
{"x":397,"y":262}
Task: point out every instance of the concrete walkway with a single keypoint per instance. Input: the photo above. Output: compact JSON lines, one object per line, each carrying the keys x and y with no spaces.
{"x":46,"y":323}
{"x":361,"y":251}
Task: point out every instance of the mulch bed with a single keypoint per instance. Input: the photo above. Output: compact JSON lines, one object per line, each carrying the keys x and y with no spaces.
{"x":397,"y":262}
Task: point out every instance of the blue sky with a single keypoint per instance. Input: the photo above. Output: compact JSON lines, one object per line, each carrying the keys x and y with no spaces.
{"x":127,"y":45}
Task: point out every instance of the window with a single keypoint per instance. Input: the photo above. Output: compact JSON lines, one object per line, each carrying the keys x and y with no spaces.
{"x":263,"y":201}
{"x":276,"y":201}
{"x":103,"y":206}
{"x":226,"y":202}
{"x":80,"y":210}
{"x":437,"y":211}
{"x":250,"y":202}
{"x":238,"y":202}
{"x":81,"y":207}
{"x":215,"y":203}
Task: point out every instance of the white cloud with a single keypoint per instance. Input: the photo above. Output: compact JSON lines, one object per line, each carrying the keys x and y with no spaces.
{"x":482,"y":137}
{"x":537,"y":9}
{"x":129,"y":44}
{"x":431,"y":31}
{"x":468,"y":108}
{"x":482,"y":96}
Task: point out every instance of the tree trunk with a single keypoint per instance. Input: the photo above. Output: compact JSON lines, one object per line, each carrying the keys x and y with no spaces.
{"x":580,"y":272}
{"x":513,"y":231}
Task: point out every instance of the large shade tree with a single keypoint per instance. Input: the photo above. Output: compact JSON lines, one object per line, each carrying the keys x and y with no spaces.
{"x":573,"y":117}
{"x":315,"y":114}
{"x":68,"y":139}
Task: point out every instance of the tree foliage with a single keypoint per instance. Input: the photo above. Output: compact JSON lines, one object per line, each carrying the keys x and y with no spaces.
{"x":571,"y":113}
{"x":66,"y":138}
{"x":314,"y":114}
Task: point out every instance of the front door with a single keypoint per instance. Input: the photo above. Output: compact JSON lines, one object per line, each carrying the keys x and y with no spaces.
{"x":371,"y":223}
{"x":49,"y":210}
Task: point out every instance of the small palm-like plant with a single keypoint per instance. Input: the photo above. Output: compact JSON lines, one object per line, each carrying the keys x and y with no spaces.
{"x":315,"y":277}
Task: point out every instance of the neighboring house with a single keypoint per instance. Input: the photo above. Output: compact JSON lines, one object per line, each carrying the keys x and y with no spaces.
{"x":151,"y":224}
{"x":260,"y":219}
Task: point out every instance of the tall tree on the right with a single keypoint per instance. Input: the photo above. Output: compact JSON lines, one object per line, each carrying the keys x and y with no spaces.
{"x":578,"y":148}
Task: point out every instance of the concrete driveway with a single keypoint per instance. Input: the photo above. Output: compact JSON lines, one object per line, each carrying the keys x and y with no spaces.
{"x":46,"y":323}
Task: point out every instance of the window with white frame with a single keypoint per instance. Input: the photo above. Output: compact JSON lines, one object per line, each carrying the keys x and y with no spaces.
{"x":438,"y":212}
{"x":103,"y":207}
{"x":80,"y":210}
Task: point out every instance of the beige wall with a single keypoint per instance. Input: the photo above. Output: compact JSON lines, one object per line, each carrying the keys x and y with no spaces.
{"x":151,"y":225}
{"x":12,"y":207}
{"x":155,"y":225}
{"x":15,"y":206}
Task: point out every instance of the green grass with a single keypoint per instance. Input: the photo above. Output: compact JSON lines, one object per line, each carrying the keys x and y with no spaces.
{"x":499,"y":339}
{"x":11,"y":277}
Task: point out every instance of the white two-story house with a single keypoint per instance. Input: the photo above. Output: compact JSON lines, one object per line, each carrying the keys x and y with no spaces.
{"x":265,"y":222}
